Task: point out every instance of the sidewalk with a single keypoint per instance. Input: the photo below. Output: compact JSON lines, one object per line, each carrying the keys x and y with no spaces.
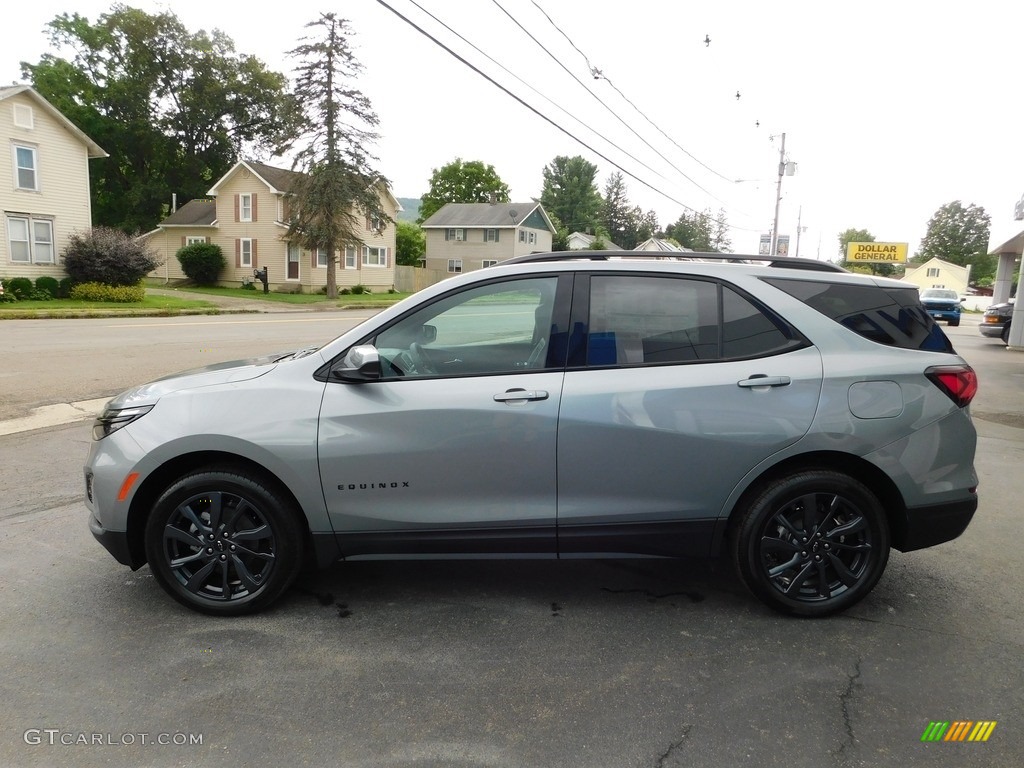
{"x":234,"y":304}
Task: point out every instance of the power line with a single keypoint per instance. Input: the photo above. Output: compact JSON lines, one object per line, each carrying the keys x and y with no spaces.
{"x":597,"y":72}
{"x":547,"y":119}
{"x":550,"y":101}
{"x":603,"y":104}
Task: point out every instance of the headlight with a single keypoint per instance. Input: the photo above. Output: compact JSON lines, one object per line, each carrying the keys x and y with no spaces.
{"x":112,"y":420}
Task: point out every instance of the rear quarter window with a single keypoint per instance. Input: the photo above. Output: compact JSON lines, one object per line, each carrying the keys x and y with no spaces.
{"x":890,"y":316}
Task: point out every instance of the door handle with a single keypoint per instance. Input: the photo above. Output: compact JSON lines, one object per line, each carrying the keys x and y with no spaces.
{"x":521,"y":395}
{"x":761,"y":380}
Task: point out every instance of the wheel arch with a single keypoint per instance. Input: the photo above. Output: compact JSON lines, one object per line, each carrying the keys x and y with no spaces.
{"x":859,"y":469}
{"x":163,"y":476}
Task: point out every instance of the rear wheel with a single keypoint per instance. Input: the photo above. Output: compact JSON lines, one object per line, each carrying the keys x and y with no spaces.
{"x":812,"y":543}
{"x":223,"y":542}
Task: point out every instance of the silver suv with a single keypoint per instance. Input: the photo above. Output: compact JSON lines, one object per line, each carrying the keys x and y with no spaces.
{"x":800,"y":418}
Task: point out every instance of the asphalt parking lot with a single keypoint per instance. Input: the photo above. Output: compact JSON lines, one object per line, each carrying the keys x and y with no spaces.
{"x":513,"y":663}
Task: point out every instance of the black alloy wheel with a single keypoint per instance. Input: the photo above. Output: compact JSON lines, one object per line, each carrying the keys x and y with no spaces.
{"x":812,"y":543}
{"x":223,"y":542}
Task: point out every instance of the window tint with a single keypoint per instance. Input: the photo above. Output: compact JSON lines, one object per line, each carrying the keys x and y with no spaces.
{"x":650,"y":320}
{"x":890,"y":316}
{"x":496,"y":328}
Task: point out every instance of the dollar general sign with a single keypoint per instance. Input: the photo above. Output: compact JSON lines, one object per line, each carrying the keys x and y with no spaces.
{"x":895,"y":253}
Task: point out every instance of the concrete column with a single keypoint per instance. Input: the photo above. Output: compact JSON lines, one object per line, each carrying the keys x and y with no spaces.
{"x":1004,"y":278}
{"x":1016,"y":340}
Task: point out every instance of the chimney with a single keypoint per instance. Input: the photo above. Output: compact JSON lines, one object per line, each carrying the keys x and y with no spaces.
{"x":174,"y":202}
{"x":492,"y":198}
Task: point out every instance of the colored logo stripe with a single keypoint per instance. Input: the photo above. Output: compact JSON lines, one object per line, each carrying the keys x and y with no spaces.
{"x":958,"y":730}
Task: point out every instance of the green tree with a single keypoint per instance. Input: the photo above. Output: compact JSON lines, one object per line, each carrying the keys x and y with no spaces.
{"x":471,"y":181}
{"x":570,"y":193}
{"x":701,"y":231}
{"x":174,"y":109}
{"x":616,"y":212}
{"x":108,"y":256}
{"x":410,"y":244}
{"x":338,"y":189}
{"x":852,"y":235}
{"x":960,"y":236}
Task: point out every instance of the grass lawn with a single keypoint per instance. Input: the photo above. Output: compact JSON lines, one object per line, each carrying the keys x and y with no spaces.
{"x":57,"y":307}
{"x":294,"y":298}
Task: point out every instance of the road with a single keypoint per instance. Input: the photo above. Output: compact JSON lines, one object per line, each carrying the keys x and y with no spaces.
{"x":519,"y":663}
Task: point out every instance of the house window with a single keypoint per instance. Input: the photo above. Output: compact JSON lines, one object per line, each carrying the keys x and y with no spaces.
{"x":23,"y":116}
{"x":245,"y":207}
{"x":350,"y":257}
{"x":488,"y":262}
{"x":25,"y":167}
{"x":245,"y":252}
{"x":30,"y":240}
{"x":455,"y":234}
{"x":375,"y":224}
{"x":321,"y":257}
{"x":522,"y":235}
{"x":933,"y":271}
{"x":375,"y":257}
{"x":194,"y":240}
{"x":454,"y":265}
{"x":490,"y":235}
{"x":533,"y":238}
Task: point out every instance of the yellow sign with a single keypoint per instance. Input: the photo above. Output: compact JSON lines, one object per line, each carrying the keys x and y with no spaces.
{"x":889,"y":253}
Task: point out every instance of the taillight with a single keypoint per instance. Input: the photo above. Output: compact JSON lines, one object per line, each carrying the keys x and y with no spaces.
{"x":959,"y":382}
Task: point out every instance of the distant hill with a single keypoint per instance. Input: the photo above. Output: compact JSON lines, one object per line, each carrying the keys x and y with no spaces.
{"x":411,"y":208}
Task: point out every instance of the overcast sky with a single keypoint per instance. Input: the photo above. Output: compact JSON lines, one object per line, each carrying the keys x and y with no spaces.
{"x":891,"y":109}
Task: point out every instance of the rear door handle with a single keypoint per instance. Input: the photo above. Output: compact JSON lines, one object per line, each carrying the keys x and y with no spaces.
{"x":762,"y":380}
{"x":521,"y":395}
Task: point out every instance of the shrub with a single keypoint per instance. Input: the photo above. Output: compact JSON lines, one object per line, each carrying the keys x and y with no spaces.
{"x":102,"y":292}
{"x":6,"y":296}
{"x":360,"y":289}
{"x":48,"y":285}
{"x":20,"y":287}
{"x":104,"y":255}
{"x":64,"y":287}
{"x":202,"y":262}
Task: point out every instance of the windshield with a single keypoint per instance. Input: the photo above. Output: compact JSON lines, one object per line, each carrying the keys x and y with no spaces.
{"x":938,"y":294}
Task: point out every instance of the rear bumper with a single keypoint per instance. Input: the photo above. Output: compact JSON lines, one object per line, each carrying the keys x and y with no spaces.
{"x":992,"y":330}
{"x":927,"y":526}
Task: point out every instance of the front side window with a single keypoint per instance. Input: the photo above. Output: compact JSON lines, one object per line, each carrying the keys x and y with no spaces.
{"x":496,"y":328}
{"x":25,"y":164}
{"x":30,"y":240}
{"x":645,"y":320}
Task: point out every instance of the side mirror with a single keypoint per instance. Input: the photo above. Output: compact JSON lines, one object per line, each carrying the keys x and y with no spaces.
{"x":428,"y":334}
{"x":360,"y":364}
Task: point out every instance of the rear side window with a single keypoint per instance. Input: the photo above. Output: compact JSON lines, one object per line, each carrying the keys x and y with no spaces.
{"x":638,"y":320}
{"x":890,"y":316}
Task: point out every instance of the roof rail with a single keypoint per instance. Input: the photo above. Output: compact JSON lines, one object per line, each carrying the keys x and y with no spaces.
{"x":787,"y":262}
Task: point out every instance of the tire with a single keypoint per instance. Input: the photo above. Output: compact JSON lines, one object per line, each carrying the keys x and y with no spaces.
{"x":812,"y":543}
{"x":251,"y":546}
{"x":954,"y":323}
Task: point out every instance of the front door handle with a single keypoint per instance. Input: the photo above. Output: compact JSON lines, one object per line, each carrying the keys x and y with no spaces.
{"x":521,"y":395}
{"x":761,"y":380}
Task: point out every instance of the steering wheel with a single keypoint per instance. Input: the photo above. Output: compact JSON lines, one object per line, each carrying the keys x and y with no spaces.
{"x":420,"y":363}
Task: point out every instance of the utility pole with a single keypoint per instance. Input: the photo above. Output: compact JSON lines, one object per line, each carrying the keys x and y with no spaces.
{"x":799,"y":229}
{"x":778,"y":193}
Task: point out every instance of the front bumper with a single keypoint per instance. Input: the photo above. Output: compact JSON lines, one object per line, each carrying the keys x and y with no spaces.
{"x":115,"y":542}
{"x":944,"y":314}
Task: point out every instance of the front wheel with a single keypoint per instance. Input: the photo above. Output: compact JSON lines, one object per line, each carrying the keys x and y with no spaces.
{"x":223,"y":542}
{"x":812,"y":543}
{"x":954,"y":323}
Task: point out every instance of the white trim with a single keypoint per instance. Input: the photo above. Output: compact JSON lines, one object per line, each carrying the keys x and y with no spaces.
{"x":287,"y":260}
{"x":242,"y":242}
{"x":244,"y":201}
{"x":378,"y":248}
{"x":31,"y":241}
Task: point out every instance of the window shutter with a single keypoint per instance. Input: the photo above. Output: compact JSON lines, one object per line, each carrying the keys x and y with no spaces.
{"x":182,"y":241}
{"x":497,"y":234}
{"x":238,"y":204}
{"x":254,"y":253}
{"x":446,"y":233}
{"x":253,"y":197}
{"x":206,"y":240}
{"x":313,"y":252}
{"x":238,"y":248}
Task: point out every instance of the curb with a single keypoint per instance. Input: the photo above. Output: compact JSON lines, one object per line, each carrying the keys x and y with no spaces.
{"x":54,"y":416}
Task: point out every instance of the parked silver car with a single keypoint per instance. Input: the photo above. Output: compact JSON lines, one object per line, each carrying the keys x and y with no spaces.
{"x":589,"y":404}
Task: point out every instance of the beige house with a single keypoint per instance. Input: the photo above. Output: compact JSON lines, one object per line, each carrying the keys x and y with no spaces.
{"x":44,"y":184}
{"x":246,"y":214}
{"x":462,"y":237}
{"x":936,"y":273}
{"x":581,"y":241}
